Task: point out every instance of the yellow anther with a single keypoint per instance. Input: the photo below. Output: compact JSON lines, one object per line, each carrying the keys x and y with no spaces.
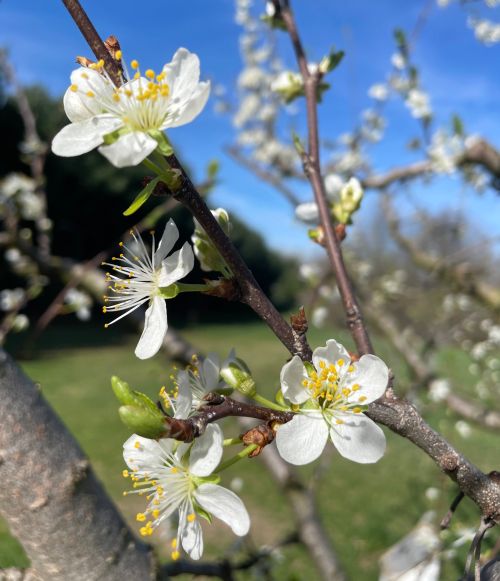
{"x":104,"y":309}
{"x":362,"y":399}
{"x":165,"y":91}
{"x":116,"y":97}
{"x":305,"y":383}
{"x":350,"y":369}
{"x":340,"y":362}
{"x":356,"y":387}
{"x":357,"y":410}
{"x":150,"y":74}
{"x":118,"y":55}
{"x":137,"y":444}
{"x":339,"y":421}
{"x":137,"y":76}
{"x":155,"y":513}
{"x":125,"y":474}
{"x":100,"y":63}
{"x":161,"y":76}
{"x":174,"y":470}
{"x":175,"y":555}
{"x":84,"y":76}
{"x":173,"y":543}
{"x":159,"y":490}
{"x":106,"y":325}
{"x":140,"y":516}
{"x":90,"y":94}
{"x":191,"y":517}
{"x":129,"y":93}
{"x":73,"y":88}
{"x":134,"y":64}
{"x":124,"y":493}
{"x":120,"y":244}
{"x":322,"y":364}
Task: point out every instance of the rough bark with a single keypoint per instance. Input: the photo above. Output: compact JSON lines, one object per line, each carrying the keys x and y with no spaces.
{"x":51,"y":498}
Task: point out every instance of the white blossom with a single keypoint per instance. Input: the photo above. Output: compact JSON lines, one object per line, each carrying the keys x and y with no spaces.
{"x":332,"y":397}
{"x":439,"y":389}
{"x":418,"y":103}
{"x":177,"y":477}
{"x":463,"y":429}
{"x":11,"y":299}
{"x":398,"y":61}
{"x":124,"y":122}
{"x":379,"y":92}
{"x":485,"y":30}
{"x":21,"y":322}
{"x":81,"y":303}
{"x":143,"y":275}
{"x":320,"y":316}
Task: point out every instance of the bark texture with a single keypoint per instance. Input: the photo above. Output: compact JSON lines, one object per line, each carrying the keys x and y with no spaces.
{"x":51,"y":498}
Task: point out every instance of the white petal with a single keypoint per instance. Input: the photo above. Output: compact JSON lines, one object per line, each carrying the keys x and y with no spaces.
{"x":192,"y":538}
{"x":182,"y":74}
{"x":210,"y":372}
{"x":78,"y":106}
{"x":302,"y":440}
{"x":142,"y":453}
{"x":358,"y":438}
{"x":177,"y":265}
{"x":307,"y":212}
{"x":168,"y":239}
{"x":330,"y":354}
{"x":206,"y":451}
{"x":225,"y":505}
{"x":185,"y":397}
{"x":155,"y":327}
{"x":372,"y":375}
{"x":190,"y":108}
{"x":129,"y":149}
{"x":82,"y":137}
{"x":292,"y":375}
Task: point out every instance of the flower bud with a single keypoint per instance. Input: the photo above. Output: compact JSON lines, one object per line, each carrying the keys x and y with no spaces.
{"x":204,"y":250}
{"x":350,"y":200}
{"x":143,"y":421}
{"x":237,"y":375}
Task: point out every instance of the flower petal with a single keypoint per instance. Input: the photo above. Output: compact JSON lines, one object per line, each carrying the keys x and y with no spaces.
{"x":184,"y":400}
{"x":372,"y":375}
{"x":302,"y":440}
{"x":129,"y":149}
{"x":206,"y":451}
{"x":292,"y":375}
{"x":358,"y":439}
{"x":168,"y":239}
{"x":182,"y":74}
{"x":192,"y":538}
{"x":210,"y":372}
{"x":177,"y":265}
{"x":155,"y":327}
{"x":307,"y":212}
{"x":78,"y":106}
{"x":189,"y":109}
{"x":82,"y":137}
{"x":144,"y":454}
{"x":225,"y":505}
{"x":331,"y":353}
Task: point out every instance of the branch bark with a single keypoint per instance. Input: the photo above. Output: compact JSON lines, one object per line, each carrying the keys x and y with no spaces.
{"x":50,"y":497}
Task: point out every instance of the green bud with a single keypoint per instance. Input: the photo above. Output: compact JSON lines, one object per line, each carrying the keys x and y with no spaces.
{"x":237,"y":375}
{"x":143,"y":421}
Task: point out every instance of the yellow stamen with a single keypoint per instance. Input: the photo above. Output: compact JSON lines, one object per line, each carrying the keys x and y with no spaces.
{"x":191,"y":517}
{"x":140,"y":516}
{"x":73,"y":88}
{"x":175,"y":555}
{"x":90,"y":94}
{"x":150,"y":74}
{"x":134,"y":64}
{"x":125,"y":474}
{"x":118,"y":55}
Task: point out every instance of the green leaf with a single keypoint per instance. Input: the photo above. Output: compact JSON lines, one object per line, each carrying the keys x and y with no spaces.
{"x":298,"y":144}
{"x":458,"y":126}
{"x":142,"y":197}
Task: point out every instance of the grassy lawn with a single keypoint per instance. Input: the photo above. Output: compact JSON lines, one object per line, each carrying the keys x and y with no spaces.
{"x":365,"y":508}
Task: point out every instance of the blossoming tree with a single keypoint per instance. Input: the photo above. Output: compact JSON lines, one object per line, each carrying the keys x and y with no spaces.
{"x":175,"y":454}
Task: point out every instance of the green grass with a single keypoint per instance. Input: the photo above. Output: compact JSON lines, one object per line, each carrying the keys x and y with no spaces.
{"x":365,"y":508}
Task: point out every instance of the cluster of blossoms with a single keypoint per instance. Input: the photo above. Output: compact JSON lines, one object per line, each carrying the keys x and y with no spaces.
{"x":321,"y":400}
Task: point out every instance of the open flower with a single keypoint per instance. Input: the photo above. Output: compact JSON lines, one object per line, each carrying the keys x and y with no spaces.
{"x":177,"y":477}
{"x":333,"y":397}
{"x":124,"y":121}
{"x":143,"y":276}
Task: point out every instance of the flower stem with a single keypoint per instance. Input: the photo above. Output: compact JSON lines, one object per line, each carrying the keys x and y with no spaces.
{"x":236,"y":458}
{"x":268,"y":403}
{"x":231,"y":441}
{"x":152,"y":166}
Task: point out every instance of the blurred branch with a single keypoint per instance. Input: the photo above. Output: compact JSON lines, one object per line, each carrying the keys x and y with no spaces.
{"x":461,"y":277}
{"x":61,"y":514}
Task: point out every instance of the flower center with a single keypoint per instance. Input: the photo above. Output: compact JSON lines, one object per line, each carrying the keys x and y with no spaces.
{"x":330,"y":388}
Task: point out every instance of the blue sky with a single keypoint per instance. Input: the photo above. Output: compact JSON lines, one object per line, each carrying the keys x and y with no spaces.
{"x":460,"y":74}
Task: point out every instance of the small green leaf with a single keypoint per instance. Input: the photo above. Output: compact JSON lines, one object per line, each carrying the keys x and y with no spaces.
{"x":142,"y":197}
{"x":298,"y":144}
{"x":458,"y":126}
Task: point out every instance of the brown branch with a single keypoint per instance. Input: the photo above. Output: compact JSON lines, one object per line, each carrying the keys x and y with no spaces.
{"x":218,"y":407}
{"x":188,"y":196}
{"x":312,"y":169}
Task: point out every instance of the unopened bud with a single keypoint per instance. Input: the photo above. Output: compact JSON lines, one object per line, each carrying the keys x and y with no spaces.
{"x":143,"y":421}
{"x":237,"y":375}
{"x":350,"y":200}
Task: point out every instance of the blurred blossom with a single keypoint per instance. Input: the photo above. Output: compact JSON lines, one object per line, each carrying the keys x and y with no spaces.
{"x":439,"y":389}
{"x":463,"y":429}
{"x":310,"y":271}
{"x":236,"y":484}
{"x":494,"y":334}
{"x":398,"y":61}
{"x":379,"y":92}
{"x":432,"y":493}
{"x":80,"y":302}
{"x":418,"y":103}
{"x":21,"y":322}
{"x":16,"y":183}
{"x":11,"y":299}
{"x":485,"y":31}
{"x":319,"y":316}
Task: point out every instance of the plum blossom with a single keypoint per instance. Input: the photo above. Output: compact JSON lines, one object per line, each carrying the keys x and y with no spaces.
{"x":124,"y":122}
{"x":418,"y":103}
{"x":143,"y":276}
{"x":332,"y":398}
{"x":178,"y":477}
